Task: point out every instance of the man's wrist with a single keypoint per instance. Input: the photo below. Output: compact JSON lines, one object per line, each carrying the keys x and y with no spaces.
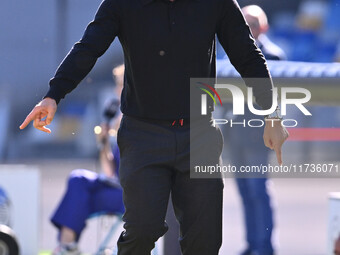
{"x":55,"y":94}
{"x":276,"y":115}
{"x":50,"y":98}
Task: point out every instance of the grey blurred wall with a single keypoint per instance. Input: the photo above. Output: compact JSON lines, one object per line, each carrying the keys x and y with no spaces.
{"x":31,"y":46}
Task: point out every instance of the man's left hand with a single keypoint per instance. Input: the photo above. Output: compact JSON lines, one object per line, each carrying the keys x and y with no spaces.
{"x":274,"y":136}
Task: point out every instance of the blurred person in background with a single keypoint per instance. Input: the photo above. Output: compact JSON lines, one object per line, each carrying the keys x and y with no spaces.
{"x":258,"y":23}
{"x":89,"y":193}
{"x":165,"y":44}
{"x":247,"y":149}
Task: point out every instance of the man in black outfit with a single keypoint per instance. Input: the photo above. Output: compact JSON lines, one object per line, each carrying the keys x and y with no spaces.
{"x":165,"y":43}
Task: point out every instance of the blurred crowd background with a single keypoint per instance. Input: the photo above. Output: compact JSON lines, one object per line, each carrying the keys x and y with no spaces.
{"x":36,"y":35}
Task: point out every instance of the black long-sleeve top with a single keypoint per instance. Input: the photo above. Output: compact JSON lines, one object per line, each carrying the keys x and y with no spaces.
{"x":165,"y":44}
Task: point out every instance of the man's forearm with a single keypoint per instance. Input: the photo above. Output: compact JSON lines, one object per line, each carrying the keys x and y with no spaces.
{"x":97,"y":38}
{"x":238,"y":42}
{"x":71,"y":72}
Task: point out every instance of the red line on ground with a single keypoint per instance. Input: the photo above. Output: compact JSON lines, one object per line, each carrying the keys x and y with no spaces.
{"x":314,"y":134}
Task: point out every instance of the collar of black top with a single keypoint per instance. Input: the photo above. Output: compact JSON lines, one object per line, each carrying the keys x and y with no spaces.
{"x":149,"y":1}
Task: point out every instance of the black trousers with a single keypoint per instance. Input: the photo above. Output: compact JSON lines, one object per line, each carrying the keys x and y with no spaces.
{"x":155,"y":160}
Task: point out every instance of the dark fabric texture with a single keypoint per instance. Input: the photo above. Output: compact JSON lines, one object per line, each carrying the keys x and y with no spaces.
{"x":155,"y":163}
{"x":165,"y":44}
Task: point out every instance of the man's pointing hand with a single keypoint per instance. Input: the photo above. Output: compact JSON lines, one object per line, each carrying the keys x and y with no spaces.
{"x":41,"y":115}
{"x":274,"y":136}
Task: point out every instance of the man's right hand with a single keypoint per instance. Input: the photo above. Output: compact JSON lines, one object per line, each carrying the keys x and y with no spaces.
{"x":46,"y":108}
